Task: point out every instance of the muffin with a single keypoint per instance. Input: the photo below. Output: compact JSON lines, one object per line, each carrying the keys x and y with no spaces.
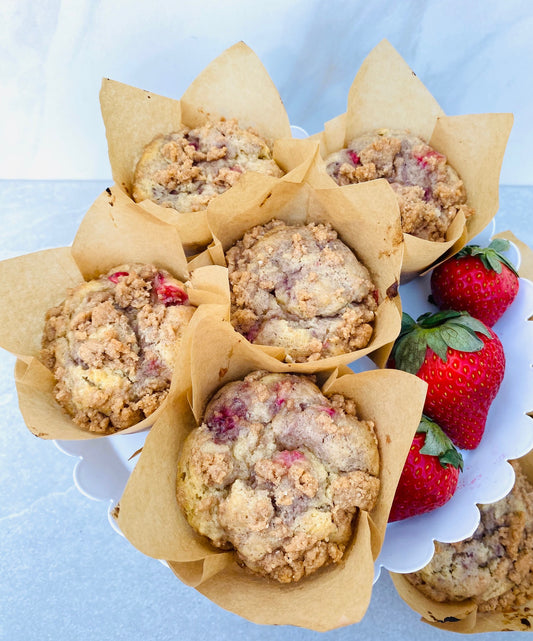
{"x":111,"y":345}
{"x":301,"y":288}
{"x":277,"y":471}
{"x":186,"y":169}
{"x":494,"y":566}
{"x":429,"y":191}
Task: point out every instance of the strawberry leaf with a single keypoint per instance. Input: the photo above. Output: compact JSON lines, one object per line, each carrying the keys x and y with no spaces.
{"x":440,"y":331}
{"x":408,"y":324}
{"x":429,"y":320}
{"x":453,"y":458}
{"x":410,"y":351}
{"x":499,"y":245}
{"x":460,"y":338}
{"x":438,"y":345}
{"x":471,"y":323}
{"x":493,"y":262}
{"x":438,"y":444}
{"x":492,"y":256}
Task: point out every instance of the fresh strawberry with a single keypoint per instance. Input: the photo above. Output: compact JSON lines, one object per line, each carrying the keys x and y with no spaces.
{"x":429,"y":476}
{"x":462,"y":361}
{"x":479,"y":280}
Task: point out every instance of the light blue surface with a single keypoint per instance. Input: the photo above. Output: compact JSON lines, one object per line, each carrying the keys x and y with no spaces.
{"x":65,"y":574}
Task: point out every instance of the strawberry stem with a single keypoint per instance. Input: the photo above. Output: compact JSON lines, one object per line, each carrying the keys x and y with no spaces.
{"x":438,"y":444}
{"x":440,"y":331}
{"x":492,"y":256}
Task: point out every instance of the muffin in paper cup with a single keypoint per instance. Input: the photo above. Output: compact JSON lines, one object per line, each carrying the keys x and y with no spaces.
{"x":387,"y":94}
{"x":366,"y":219}
{"x":150,"y":517}
{"x":233,"y":86}
{"x":464,"y":616}
{"x":115,"y":231}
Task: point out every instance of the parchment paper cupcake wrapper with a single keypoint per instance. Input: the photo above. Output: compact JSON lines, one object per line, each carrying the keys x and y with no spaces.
{"x":387,"y":93}
{"x":114,"y":231}
{"x":234,"y":85}
{"x":464,"y":616}
{"x":366,"y":217}
{"x":151,"y":519}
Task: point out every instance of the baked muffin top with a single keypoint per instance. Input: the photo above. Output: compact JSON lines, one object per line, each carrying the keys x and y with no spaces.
{"x":301,"y":288}
{"x":277,"y":471}
{"x":429,"y":191}
{"x":112,"y":343}
{"x":186,"y":169}
{"x":494,"y":566}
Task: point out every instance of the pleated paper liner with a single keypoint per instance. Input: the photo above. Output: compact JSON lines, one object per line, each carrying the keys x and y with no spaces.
{"x":464,"y":616}
{"x":234,"y":85}
{"x":386,"y":93}
{"x":114,"y":231}
{"x":151,"y":519}
{"x":366,"y":217}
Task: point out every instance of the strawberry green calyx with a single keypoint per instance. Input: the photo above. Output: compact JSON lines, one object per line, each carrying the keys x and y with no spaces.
{"x":438,"y":444}
{"x":440,"y":331}
{"x":492,"y":256}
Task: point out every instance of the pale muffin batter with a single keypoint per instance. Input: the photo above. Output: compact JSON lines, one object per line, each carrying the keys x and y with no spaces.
{"x":112,"y":344}
{"x":278,"y":471}
{"x":300,"y":288}
{"x":429,"y":191}
{"x":186,"y":169}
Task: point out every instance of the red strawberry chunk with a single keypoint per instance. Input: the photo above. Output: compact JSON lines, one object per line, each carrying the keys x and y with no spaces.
{"x":168,"y":293}
{"x":226,"y":421}
{"x":288,"y":457}
{"x":430,"y":158}
{"x":114,"y":277}
{"x":354,"y":157}
{"x":152,"y":367}
{"x":328,"y":410}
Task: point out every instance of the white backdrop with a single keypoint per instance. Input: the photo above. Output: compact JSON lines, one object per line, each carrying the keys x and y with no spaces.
{"x":474,"y":56}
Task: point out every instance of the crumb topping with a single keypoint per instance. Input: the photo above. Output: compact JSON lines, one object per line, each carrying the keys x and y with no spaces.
{"x":186,"y":169}
{"x":278,"y":471}
{"x":112,"y":343}
{"x":494,"y":566}
{"x":300,"y":288}
{"x":429,"y":191}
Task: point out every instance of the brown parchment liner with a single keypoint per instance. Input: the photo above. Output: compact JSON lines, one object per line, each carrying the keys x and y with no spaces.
{"x":151,"y":519}
{"x":366,"y":217}
{"x":463,"y":616}
{"x":114,"y":231}
{"x":234,"y":85}
{"x":387,"y":93}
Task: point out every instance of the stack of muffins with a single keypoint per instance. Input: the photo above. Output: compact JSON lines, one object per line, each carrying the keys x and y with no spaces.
{"x":242,"y":271}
